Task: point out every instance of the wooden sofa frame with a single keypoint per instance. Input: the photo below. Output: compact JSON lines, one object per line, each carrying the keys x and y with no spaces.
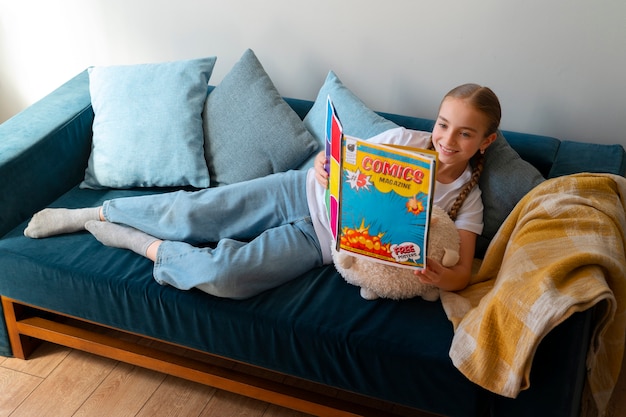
{"x":28,"y":325}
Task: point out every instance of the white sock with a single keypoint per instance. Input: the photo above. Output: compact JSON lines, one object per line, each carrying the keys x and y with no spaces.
{"x":56,"y":221}
{"x":119,"y":236}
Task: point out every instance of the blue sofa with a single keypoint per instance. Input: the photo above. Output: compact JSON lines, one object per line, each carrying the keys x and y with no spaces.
{"x":326,"y":350}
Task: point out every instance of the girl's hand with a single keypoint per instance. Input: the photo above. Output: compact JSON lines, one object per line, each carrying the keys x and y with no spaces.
{"x":432,"y":274}
{"x":320,"y":169}
{"x":454,"y":278}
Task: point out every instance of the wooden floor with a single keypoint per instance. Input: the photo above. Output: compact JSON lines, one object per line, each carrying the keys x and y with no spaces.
{"x":58,"y":381}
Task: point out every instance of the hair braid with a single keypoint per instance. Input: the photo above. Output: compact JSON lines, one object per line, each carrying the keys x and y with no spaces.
{"x":479,"y":163}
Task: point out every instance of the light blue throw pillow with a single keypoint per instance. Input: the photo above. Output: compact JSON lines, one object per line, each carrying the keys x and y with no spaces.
{"x":147,"y":129}
{"x":250,"y":130}
{"x":356,"y":118}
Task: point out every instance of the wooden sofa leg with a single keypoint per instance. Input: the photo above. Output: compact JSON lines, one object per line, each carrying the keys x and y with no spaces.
{"x":22,"y":346}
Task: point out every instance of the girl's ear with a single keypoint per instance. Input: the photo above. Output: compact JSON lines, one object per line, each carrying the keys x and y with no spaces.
{"x":488,"y":141}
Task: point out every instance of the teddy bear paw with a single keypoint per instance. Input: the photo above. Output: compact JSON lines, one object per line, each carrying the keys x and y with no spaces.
{"x":368,"y":294}
{"x":450,"y":258}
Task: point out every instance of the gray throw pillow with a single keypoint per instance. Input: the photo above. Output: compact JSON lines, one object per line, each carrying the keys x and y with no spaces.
{"x":506,"y":178}
{"x":249,"y":129}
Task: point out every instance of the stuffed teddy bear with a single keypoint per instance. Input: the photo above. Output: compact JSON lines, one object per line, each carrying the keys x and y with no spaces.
{"x":382,"y":280}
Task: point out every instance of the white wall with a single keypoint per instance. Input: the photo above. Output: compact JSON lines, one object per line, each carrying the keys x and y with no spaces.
{"x":558,"y":66}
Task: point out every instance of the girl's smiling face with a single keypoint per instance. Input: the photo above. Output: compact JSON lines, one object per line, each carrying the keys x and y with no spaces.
{"x":460,"y":132}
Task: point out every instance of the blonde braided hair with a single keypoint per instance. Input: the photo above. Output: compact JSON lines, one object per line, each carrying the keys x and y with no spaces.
{"x":485,"y":101}
{"x":479,"y":163}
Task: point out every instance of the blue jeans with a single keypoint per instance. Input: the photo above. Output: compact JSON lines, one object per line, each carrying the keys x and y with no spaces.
{"x":262,"y":229}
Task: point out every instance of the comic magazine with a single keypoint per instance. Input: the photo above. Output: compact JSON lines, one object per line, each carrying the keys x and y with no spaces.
{"x":379,"y":198}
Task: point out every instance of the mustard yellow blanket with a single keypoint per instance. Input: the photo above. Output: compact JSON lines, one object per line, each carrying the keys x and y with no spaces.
{"x":561,"y":250}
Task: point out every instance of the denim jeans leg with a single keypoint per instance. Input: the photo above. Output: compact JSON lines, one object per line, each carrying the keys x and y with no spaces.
{"x":236,"y":269}
{"x":238,"y":211}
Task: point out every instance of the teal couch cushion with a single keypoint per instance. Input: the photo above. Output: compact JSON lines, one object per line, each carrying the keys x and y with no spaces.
{"x":579,"y":157}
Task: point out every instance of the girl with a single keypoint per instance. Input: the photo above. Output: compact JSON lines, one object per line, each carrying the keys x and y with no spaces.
{"x":467,"y":123}
{"x":273,"y":229}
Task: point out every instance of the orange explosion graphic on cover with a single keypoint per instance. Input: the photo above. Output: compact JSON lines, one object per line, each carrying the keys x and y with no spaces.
{"x":415,"y":205}
{"x":360,"y":238}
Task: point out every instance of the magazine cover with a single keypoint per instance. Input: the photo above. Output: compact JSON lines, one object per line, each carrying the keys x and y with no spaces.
{"x":379,"y":198}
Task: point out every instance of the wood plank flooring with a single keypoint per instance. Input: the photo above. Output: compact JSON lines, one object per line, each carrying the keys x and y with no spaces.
{"x":58,"y":381}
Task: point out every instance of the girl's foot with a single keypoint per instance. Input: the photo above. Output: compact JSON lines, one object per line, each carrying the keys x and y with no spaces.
{"x":56,"y":221}
{"x":119,"y":236}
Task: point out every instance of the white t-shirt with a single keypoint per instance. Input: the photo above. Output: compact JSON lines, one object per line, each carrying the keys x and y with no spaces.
{"x":469,"y":216}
